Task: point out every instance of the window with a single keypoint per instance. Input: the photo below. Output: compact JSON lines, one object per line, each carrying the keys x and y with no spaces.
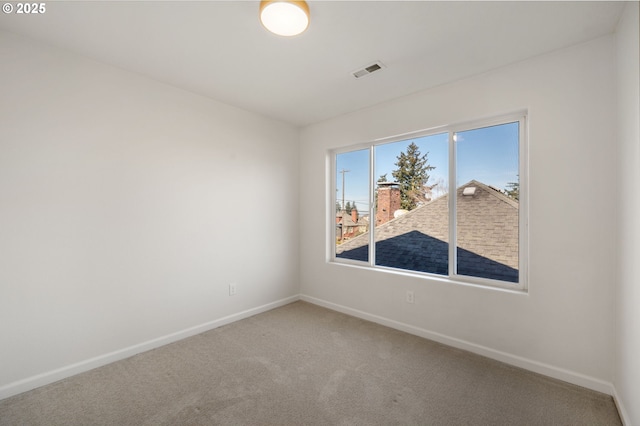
{"x":396,"y":197}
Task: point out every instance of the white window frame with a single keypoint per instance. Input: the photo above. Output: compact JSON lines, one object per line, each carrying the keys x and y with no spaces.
{"x":523,"y":203}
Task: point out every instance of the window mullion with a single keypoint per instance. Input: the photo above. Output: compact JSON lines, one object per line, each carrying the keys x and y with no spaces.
{"x":452,"y":204}
{"x":372,"y":213}
{"x":332,"y":208}
{"x":523,"y":202}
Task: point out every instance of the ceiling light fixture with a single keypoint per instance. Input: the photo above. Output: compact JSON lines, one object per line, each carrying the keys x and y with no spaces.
{"x":285,"y":18}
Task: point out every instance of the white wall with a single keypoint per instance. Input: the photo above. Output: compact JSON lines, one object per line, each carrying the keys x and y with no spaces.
{"x":627,"y":372}
{"x":564,"y":326}
{"x":126,"y":208}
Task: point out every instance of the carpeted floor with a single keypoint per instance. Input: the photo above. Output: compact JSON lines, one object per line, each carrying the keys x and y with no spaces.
{"x":305,"y":365}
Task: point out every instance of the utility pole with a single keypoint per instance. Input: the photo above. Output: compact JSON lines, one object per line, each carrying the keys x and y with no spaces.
{"x":343,"y":171}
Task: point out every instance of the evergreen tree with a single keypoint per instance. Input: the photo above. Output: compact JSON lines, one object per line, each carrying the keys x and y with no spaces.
{"x":348,"y":207}
{"x":412,"y":176}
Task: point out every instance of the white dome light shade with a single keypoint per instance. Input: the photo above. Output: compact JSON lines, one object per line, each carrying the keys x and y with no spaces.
{"x":285,"y":18}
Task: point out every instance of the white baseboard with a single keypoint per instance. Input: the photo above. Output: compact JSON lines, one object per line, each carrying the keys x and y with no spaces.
{"x":33,"y":382}
{"x":528,"y":364}
{"x":621,"y":410}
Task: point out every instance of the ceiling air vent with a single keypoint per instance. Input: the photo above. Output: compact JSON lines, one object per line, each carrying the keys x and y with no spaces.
{"x":371,"y":68}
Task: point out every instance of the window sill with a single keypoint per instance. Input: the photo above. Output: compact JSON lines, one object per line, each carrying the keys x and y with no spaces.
{"x":481,"y":284}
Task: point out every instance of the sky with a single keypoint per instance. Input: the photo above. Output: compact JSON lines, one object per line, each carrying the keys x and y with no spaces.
{"x":488,"y":155}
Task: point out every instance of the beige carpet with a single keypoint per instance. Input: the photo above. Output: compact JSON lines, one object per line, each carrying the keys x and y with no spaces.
{"x":306,"y":365}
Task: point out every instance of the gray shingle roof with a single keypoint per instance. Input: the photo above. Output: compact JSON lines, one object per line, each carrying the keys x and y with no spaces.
{"x":347,"y":220}
{"x":418,"y":241}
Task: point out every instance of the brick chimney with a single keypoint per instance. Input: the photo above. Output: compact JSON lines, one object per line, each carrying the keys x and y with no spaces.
{"x":388,"y":201}
{"x":354,"y":215}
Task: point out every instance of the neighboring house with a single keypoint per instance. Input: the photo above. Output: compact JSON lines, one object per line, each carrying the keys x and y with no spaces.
{"x":487,"y":235}
{"x":350,"y":225}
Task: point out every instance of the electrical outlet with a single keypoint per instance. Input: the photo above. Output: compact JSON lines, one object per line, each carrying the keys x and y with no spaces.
{"x":410,"y":298}
{"x":232,"y":289}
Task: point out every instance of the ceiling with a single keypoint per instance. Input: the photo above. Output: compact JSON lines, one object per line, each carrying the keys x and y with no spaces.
{"x":220,"y":50}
